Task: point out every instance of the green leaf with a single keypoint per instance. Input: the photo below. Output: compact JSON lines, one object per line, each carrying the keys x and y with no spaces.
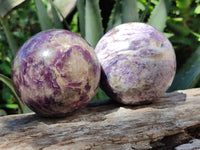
{"x":11,"y":106}
{"x":178,"y":28}
{"x":27,"y":110}
{"x":100,"y":96}
{"x":2,"y":112}
{"x":129,"y":11}
{"x":189,"y":74}
{"x":145,"y":3}
{"x":81,"y":16}
{"x":168,"y":35}
{"x":115,"y":17}
{"x":7,"y":6}
{"x":196,"y":34}
{"x":145,"y":11}
{"x":5,"y":68}
{"x":74,"y":23}
{"x":183,"y":3}
{"x":56,"y":19}
{"x":159,"y":15}
{"x":11,"y":41}
{"x":197,"y":10}
{"x":6,"y":95}
{"x":60,"y":15}
{"x":93,"y":22}
{"x":43,"y":17}
{"x":65,"y":6}
{"x":8,"y":82}
{"x":182,"y":40}
{"x":140,"y":6}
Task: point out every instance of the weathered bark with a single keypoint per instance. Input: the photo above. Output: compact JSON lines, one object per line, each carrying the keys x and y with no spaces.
{"x":169,"y":122}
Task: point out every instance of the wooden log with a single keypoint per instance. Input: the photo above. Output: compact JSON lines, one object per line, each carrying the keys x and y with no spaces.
{"x":193,"y":144}
{"x":168,"y":122}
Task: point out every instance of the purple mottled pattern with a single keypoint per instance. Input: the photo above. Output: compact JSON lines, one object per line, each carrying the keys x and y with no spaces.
{"x":138,"y":63}
{"x":56,"y":72}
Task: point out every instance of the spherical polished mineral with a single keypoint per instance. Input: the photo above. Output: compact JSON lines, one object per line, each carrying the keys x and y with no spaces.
{"x":138,"y":63}
{"x":56,"y":72}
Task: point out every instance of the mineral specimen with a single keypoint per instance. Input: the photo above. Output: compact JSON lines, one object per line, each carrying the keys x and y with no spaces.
{"x":56,"y":72}
{"x":138,"y":63}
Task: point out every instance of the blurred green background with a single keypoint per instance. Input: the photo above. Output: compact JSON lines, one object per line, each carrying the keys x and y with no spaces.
{"x":20,"y":19}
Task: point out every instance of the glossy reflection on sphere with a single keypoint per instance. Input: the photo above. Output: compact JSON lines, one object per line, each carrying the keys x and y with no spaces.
{"x":138,"y":63}
{"x":56,"y":72}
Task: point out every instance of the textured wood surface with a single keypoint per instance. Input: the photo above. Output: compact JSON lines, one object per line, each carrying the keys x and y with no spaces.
{"x":171,"y":122}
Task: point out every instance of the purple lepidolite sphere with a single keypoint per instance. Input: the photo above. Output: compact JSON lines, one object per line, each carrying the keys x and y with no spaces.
{"x":138,"y":63}
{"x":56,"y":72}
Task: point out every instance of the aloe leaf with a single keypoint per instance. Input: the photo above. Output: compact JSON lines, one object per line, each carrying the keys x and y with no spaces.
{"x":81,"y":16}
{"x":189,"y":74}
{"x":93,"y":22}
{"x":65,"y":6}
{"x":56,"y":19}
{"x":159,"y":15}
{"x":178,"y":28}
{"x":8,"y":82}
{"x":145,"y":11}
{"x":62,"y":18}
{"x":115,"y":17}
{"x":144,"y":2}
{"x":168,"y":35}
{"x":129,"y":11}
{"x":27,"y":110}
{"x":7,"y":6}
{"x":11,"y":41}
{"x":182,"y":40}
{"x":43,"y":17}
{"x":94,"y":31}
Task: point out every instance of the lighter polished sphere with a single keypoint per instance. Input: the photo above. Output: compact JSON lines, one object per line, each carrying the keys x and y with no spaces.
{"x":138,"y":63}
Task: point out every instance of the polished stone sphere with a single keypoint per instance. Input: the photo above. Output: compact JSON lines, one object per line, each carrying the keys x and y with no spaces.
{"x":55,"y":72}
{"x":138,"y":63}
